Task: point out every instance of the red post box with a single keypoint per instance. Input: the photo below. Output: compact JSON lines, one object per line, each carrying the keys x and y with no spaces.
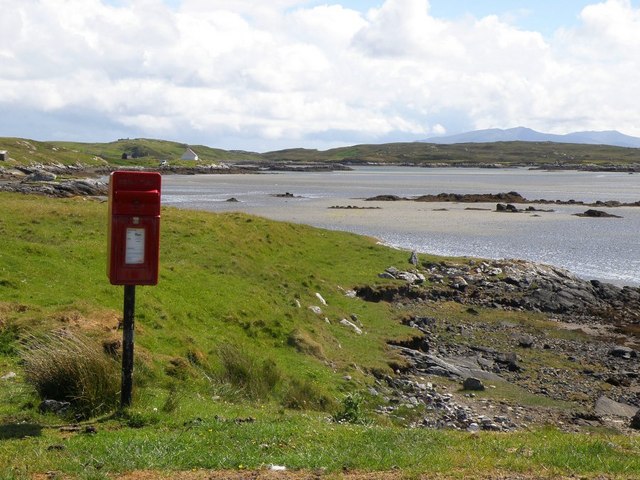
{"x":134,"y":228}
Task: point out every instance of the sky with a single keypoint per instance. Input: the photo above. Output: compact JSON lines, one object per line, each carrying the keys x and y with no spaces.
{"x":266,"y":75}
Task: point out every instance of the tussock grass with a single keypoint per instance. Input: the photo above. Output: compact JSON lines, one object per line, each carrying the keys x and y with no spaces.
{"x":69,"y":367}
{"x":255,"y":378}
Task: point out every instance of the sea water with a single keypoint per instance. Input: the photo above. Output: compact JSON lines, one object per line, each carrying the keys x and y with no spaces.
{"x":594,"y":248}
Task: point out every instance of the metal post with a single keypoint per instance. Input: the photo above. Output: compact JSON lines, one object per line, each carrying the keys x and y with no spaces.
{"x":127,"y":345}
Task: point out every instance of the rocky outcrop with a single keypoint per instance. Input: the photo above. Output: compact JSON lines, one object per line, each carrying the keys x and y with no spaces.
{"x":512,"y":285}
{"x":70,"y":188}
{"x":501,"y":198}
{"x":596,"y":214}
{"x":595,"y":369}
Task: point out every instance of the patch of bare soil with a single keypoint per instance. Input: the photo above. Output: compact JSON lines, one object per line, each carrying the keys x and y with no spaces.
{"x":319,"y":475}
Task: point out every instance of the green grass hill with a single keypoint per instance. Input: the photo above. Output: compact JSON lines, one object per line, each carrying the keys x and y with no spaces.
{"x":148,"y":152}
{"x":233,"y":370}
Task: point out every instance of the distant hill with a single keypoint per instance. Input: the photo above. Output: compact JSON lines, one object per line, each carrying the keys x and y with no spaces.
{"x":523,"y":134}
{"x":491,"y":152}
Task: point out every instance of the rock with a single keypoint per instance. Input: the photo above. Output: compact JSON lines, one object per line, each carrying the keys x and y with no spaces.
{"x":501,"y":207}
{"x":8,"y":376}
{"x":53,"y":406}
{"x":606,"y":406}
{"x":232,"y":200}
{"x":351,"y":325}
{"x":591,"y":213}
{"x":407,"y":277}
{"x":322,"y":300}
{"x":510,"y":360}
{"x":526,"y":341}
{"x":473,"y":427}
{"x":471,"y":383}
{"x":386,"y":275}
{"x":413,"y":259}
{"x":40,"y":176}
{"x":315,"y":309}
{"x":459,"y":283}
{"x":623,"y":352}
{"x":635,"y":421}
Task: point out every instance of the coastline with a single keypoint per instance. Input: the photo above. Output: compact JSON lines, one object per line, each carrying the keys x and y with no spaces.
{"x":450,"y":228}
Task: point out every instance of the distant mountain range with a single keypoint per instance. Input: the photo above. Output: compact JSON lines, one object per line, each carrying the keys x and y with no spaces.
{"x":522,"y":134}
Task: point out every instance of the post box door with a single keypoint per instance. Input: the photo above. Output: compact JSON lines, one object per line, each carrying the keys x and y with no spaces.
{"x":134,"y":228}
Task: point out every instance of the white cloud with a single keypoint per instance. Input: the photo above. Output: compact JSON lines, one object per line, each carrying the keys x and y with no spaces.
{"x":293,"y":75}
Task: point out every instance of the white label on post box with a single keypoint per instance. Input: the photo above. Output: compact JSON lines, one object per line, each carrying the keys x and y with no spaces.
{"x":134,"y":253}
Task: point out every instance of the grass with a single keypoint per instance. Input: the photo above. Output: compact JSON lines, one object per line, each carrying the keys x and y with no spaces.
{"x":68,"y":367}
{"x":230,"y":373}
{"x":310,"y":442}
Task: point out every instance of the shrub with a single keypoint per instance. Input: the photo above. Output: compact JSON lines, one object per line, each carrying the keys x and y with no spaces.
{"x":255,"y":378}
{"x":8,"y":337}
{"x":351,"y":411}
{"x":69,"y":367}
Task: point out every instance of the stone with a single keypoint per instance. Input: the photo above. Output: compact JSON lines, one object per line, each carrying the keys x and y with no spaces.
{"x":40,"y":176}
{"x":606,"y":406}
{"x":386,"y":275}
{"x":322,"y":300}
{"x":471,"y":383}
{"x":623,"y":352}
{"x":510,"y":360}
{"x":413,"y":259}
{"x":407,"y":277}
{"x":53,"y":406}
{"x":351,"y":325}
{"x":8,"y":376}
{"x":635,"y":421}
{"x":525,"y":341}
{"x":315,"y":309}
{"x":591,"y":213}
{"x":392,"y":271}
{"x":473,"y":428}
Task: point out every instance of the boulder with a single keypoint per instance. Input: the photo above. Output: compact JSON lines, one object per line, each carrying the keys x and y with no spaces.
{"x":635,"y":421}
{"x":591,"y":213}
{"x":526,"y":341}
{"x":605,"y":406}
{"x":510,"y":360}
{"x":40,"y":176}
{"x":623,"y":352}
{"x":471,"y":383}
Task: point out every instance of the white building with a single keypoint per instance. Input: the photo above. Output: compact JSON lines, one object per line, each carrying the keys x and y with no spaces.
{"x":189,"y":155}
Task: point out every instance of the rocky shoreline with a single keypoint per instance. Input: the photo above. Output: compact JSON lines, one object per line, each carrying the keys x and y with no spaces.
{"x":508,"y":197}
{"x":572,"y":360}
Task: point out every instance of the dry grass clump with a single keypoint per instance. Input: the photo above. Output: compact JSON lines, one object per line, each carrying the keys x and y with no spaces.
{"x":70,"y":367}
{"x":255,"y":378}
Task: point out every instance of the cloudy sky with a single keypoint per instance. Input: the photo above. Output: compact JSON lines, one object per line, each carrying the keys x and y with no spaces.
{"x":263,"y":75}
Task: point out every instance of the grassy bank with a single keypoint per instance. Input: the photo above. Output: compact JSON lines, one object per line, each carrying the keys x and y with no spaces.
{"x":233,"y":370}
